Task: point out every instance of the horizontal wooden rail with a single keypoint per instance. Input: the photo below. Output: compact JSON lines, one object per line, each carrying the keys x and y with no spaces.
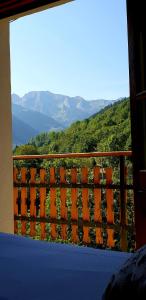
{"x":74,"y":185}
{"x":74,"y":155}
{"x":79,"y":223}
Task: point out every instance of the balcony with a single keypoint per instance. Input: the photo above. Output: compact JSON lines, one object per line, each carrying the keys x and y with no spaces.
{"x":81,"y":198}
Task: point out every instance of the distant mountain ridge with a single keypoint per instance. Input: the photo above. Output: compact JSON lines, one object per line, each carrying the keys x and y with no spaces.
{"x":44,"y":111}
{"x":21,"y":131}
{"x":63,"y":109}
{"x":35,"y":119}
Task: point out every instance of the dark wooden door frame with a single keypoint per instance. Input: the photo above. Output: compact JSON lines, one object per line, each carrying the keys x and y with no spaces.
{"x":11,"y":8}
{"x":137,"y":75}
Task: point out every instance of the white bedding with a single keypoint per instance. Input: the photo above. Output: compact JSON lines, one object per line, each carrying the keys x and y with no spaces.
{"x":35,"y":270}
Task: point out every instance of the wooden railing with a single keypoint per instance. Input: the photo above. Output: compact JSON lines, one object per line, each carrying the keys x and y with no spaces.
{"x":83,"y":205}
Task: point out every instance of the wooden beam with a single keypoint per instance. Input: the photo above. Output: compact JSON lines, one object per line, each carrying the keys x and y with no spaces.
{"x":137,"y":72}
{"x":74,"y":155}
{"x":6,"y":164}
{"x":37,"y":9}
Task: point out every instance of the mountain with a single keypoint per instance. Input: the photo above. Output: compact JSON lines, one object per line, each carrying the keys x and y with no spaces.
{"x":38,"y":121}
{"x":22,"y":132}
{"x":63,"y":109}
{"x":108,"y":130}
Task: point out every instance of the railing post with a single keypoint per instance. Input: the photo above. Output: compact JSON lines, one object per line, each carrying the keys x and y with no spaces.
{"x":123,"y":204}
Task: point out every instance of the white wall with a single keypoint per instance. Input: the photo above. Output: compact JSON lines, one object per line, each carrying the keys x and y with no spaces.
{"x":6,"y":164}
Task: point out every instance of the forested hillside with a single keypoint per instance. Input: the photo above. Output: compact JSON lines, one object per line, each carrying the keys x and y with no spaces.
{"x":108,"y":130}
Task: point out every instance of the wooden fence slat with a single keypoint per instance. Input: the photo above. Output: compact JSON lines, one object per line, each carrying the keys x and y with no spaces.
{"x":86,"y":238}
{"x":53,"y":208}
{"x":110,"y":211}
{"x":15,"y":198}
{"x":23,"y":201}
{"x":85,"y":204}
{"x":42,"y":203}
{"x":63,"y":207}
{"x":97,"y":205}
{"x":85,"y":195}
{"x":32,"y":202}
{"x":74,"y":233}
{"x":123,"y":210}
{"x":74,"y":209}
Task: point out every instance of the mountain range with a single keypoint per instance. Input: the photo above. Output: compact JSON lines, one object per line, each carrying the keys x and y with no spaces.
{"x":107,"y":130}
{"x":43,"y":111}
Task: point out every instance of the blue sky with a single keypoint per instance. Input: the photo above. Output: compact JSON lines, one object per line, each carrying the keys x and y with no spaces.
{"x":76,"y":49}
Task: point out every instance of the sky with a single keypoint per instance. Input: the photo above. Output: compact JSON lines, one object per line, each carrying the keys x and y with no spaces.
{"x":76,"y":49}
